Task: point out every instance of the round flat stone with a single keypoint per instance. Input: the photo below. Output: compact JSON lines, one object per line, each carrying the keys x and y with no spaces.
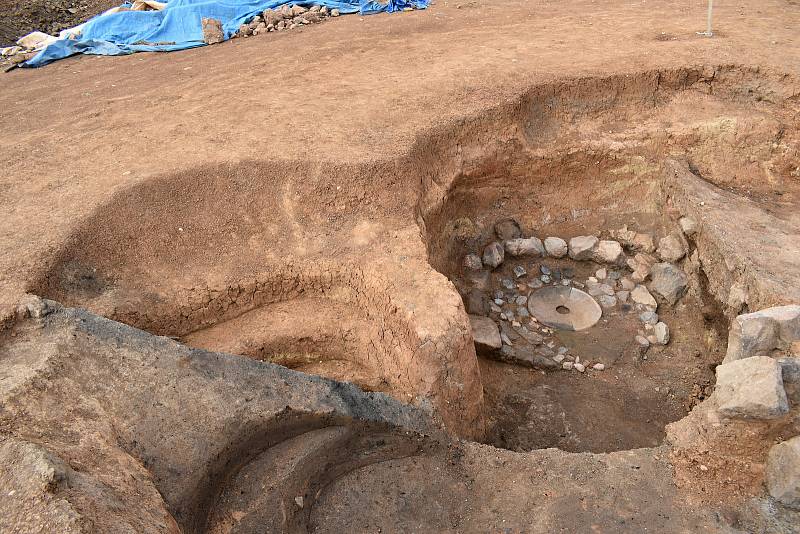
{"x":565,"y":308}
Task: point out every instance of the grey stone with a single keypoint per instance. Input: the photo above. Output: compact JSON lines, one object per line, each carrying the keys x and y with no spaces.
{"x":751,"y":388}
{"x":545,"y":279}
{"x":688,"y":226}
{"x":671,"y":248}
{"x":544,"y":269}
{"x":761,"y":332}
{"x":519,"y":271}
{"x":661,"y":333}
{"x":535,"y":283}
{"x":668,"y":281}
{"x":508,"y":283}
{"x":623,"y":296}
{"x":485,"y":333}
{"x":607,"y":301}
{"x":640,"y":295}
{"x":783,"y":472}
{"x":531,"y":246}
{"x":582,"y":247}
{"x":472,"y":262}
{"x":493,"y":255}
{"x":601,"y":273}
{"x":648,"y":317}
{"x":507,"y":229}
{"x":476,"y":304}
{"x":521,"y":300}
{"x":555,"y":247}
{"x":609,"y":252}
{"x":527,"y":357}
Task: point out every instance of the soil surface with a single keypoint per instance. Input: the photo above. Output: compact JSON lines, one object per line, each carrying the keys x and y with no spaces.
{"x":49,"y":16}
{"x":270,"y":195}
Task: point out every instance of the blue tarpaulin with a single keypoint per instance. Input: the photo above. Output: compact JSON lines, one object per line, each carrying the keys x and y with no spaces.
{"x":178,"y":25}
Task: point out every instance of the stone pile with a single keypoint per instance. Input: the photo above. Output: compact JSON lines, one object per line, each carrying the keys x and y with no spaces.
{"x":285,"y":18}
{"x":611,"y":286}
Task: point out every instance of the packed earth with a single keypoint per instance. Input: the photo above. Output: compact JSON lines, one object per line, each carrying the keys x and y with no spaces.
{"x":481,"y":267}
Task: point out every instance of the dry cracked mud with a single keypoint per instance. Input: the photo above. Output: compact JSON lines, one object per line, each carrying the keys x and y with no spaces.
{"x":252,"y":313}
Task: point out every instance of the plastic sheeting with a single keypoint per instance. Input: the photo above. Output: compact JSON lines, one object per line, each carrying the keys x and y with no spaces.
{"x":178,"y":25}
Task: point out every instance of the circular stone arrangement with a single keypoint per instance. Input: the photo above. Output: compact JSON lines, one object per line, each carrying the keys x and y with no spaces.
{"x":533,"y":301}
{"x":565,"y":308}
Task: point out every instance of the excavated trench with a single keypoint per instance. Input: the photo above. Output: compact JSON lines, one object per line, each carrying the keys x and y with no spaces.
{"x":337,"y":270}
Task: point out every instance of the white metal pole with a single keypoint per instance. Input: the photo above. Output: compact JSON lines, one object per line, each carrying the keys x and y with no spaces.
{"x":710,"y":8}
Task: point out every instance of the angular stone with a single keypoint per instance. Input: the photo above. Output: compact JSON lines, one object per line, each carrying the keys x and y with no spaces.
{"x":661,"y":333}
{"x":640,"y":295}
{"x":555,"y":247}
{"x":643,"y":243}
{"x":627,"y":284}
{"x":623,"y":296}
{"x":525,"y":356}
{"x":531,"y":246}
{"x":688,"y":226}
{"x":671,"y":248}
{"x":472,"y":262}
{"x":609,"y":252}
{"x":298,"y":10}
{"x":607,"y":301}
{"x":668,"y":281}
{"x":476,"y":303}
{"x":507,"y":229}
{"x":783,"y":472}
{"x":648,"y":317}
{"x":761,"y":332}
{"x":751,"y":388}
{"x":519,"y":271}
{"x":485,"y":333}
{"x":493,"y":255}
{"x":212,"y":31}
{"x":582,"y":247}
{"x":272,"y":17}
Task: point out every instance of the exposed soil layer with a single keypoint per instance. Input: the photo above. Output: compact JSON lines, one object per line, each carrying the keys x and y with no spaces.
{"x":49,"y":16}
{"x":233,"y":211}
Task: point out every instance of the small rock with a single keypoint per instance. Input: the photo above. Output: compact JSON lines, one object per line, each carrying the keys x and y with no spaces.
{"x":493,"y":255}
{"x":582,"y":247}
{"x":609,"y":252}
{"x":535,"y":283}
{"x":485,"y":333}
{"x":671,"y":248}
{"x":643,"y":243}
{"x":648,"y":317}
{"x":563,"y":350}
{"x":601,"y":273}
{"x":508,"y":283}
{"x":545,"y":279}
{"x":661,"y":333}
{"x":531,"y":246}
{"x":558,"y":358}
{"x":579,"y":367}
{"x":499,"y":302}
{"x":298,"y":10}
{"x":640,"y":295}
{"x":495,"y":308}
{"x":507,"y":229}
{"x":761,"y":332}
{"x":299,"y":501}
{"x":212,"y":31}
{"x":567,"y":365}
{"x":544,"y":269}
{"x":598,"y":367}
{"x":627,"y":284}
{"x":641,"y":340}
{"x":783,"y":472}
{"x":272,"y":17}
{"x":607,"y":301}
{"x":622,"y":296}
{"x":505,"y":339}
{"x":668,"y":282}
{"x":472,"y":262}
{"x":519,"y":271}
{"x":521,"y":300}
{"x":334,"y":12}
{"x":522,"y":311}
{"x":751,"y":388}
{"x":555,"y":247}
{"x":688,"y":226}
{"x":475,"y":303}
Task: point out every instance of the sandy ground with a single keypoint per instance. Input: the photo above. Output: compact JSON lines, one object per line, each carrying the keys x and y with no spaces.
{"x":359,"y":88}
